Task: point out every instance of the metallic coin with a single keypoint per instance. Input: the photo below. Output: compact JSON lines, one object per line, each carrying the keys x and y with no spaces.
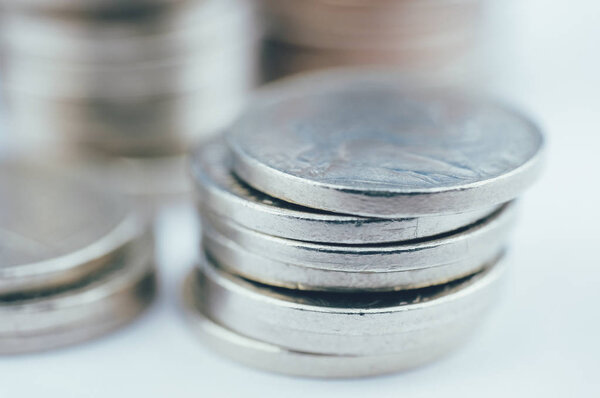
{"x":447,"y":65}
{"x":224,"y":194}
{"x":171,"y":32}
{"x":79,"y":312}
{"x":159,"y":78}
{"x":366,"y":144}
{"x":354,"y":324}
{"x":393,"y":266}
{"x":138,"y":126}
{"x":149,"y":183}
{"x":55,"y":231}
{"x":147,"y":83}
{"x":320,"y":24}
{"x":273,"y":358}
{"x":97,"y":8}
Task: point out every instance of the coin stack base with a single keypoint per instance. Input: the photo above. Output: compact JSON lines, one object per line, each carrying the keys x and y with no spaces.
{"x":408,"y":349}
{"x":354,"y":224}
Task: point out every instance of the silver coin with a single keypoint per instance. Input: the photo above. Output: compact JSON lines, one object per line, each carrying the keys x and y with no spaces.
{"x":224,"y":194}
{"x":371,"y":145}
{"x":79,"y":312}
{"x":161,"y":126}
{"x":344,"y":323}
{"x":55,"y":231}
{"x":394,"y":266}
{"x":89,"y":8}
{"x":273,"y":358}
{"x":172,"y":32}
{"x":171,"y":76}
{"x":149,"y":183}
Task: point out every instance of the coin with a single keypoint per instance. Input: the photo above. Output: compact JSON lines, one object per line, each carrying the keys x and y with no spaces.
{"x":278,"y":359}
{"x":92,"y":7}
{"x":167,"y":77}
{"x":320,"y":24}
{"x":146,"y":82}
{"x":369,"y":145}
{"x":81,"y":311}
{"x":158,"y":34}
{"x":393,"y":266}
{"x":55,"y":231}
{"x":345,"y":323}
{"x":134,"y":126}
{"x":228,"y":197}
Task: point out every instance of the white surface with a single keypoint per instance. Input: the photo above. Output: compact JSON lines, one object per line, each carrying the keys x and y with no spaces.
{"x":544,"y":339}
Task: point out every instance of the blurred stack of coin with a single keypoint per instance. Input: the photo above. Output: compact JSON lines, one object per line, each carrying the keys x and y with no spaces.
{"x":432,"y":39}
{"x":75,"y":262}
{"x":354,"y":224}
{"x":141,"y":80}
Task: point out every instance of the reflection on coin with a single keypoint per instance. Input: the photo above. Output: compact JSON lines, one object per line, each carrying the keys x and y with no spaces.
{"x":224,"y":194}
{"x":393,"y":266}
{"x":278,"y":359}
{"x":366,"y":144}
{"x":348,"y":323}
{"x":56,"y":231}
{"x":81,"y":311}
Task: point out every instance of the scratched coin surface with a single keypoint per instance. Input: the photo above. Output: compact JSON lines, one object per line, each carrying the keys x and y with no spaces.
{"x":54,"y":230}
{"x":372,"y":145}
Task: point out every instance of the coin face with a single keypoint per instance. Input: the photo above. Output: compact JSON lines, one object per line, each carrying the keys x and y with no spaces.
{"x":50,"y":225}
{"x":369,"y":146}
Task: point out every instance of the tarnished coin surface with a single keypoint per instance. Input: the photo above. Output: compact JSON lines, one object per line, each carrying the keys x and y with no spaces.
{"x":392,"y":266}
{"x":82,"y":310}
{"x":348,"y":323}
{"x":372,"y":145}
{"x":55,"y":230}
{"x":278,"y":359}
{"x":225,"y":195}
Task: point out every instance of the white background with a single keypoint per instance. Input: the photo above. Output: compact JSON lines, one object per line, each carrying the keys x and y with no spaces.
{"x":543,"y":339}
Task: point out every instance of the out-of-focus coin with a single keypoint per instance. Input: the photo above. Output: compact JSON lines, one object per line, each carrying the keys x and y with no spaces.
{"x":321,"y":24}
{"x":165,"y":33}
{"x":129,"y":126}
{"x":354,"y":324}
{"x":99,"y":8}
{"x":278,"y":359}
{"x":173,"y":76}
{"x":81,"y":311}
{"x":54,"y":231}
{"x":225,"y":195}
{"x":447,"y":66}
{"x":366,"y":144}
{"x":392,"y":266}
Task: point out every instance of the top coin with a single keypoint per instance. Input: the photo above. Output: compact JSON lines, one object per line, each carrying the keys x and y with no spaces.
{"x":371,"y":144}
{"x":55,"y":231}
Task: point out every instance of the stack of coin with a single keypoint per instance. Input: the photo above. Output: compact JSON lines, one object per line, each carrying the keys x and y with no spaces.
{"x":354,"y":224}
{"x":75,"y":262}
{"x":146,"y":79}
{"x":432,"y":39}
